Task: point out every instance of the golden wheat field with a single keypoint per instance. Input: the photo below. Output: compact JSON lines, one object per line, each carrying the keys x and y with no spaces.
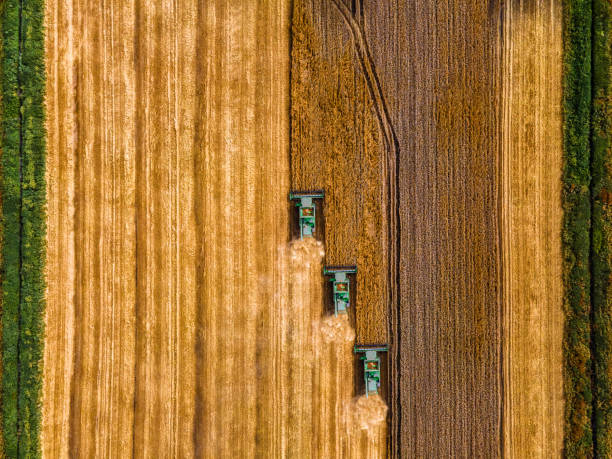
{"x":184,"y":317}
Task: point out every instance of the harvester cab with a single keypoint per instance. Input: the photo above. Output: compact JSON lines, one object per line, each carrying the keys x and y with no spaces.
{"x":341,"y":285}
{"x":371,"y":366}
{"x":307,"y":210}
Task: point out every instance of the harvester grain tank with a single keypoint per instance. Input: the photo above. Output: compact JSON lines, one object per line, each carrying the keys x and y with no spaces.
{"x":307,"y":210}
{"x":371,"y":365}
{"x":341,"y":286}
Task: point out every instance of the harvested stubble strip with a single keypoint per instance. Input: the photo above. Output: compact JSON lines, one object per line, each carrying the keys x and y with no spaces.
{"x":23,"y":223}
{"x":576,"y":228}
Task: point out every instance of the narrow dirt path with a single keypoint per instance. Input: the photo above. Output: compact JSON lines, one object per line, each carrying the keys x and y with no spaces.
{"x":533,"y":314}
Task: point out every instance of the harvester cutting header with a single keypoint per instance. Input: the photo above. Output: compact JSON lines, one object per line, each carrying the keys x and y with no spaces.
{"x":341,"y":286}
{"x":307,"y":210}
{"x":371,"y":365}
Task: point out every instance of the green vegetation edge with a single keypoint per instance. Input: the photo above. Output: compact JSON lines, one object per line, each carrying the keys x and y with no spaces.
{"x":601,"y":189}
{"x":10,"y":223}
{"x":23,"y":224}
{"x":578,"y":439}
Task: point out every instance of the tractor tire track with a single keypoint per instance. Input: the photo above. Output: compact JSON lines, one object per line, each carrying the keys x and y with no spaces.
{"x":355,"y":21}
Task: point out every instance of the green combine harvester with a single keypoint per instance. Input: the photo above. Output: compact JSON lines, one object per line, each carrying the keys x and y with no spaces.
{"x":371,"y":365}
{"x":341,"y":286}
{"x":307,"y":210}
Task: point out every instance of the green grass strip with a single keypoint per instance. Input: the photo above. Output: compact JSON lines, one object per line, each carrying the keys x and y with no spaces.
{"x":23,"y":224}
{"x":34,"y":225}
{"x":576,"y":228}
{"x":601,"y":187}
{"x":11,"y":209}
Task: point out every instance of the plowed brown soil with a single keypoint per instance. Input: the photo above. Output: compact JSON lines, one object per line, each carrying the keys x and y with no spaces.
{"x":179,"y":322}
{"x":533,"y":314}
